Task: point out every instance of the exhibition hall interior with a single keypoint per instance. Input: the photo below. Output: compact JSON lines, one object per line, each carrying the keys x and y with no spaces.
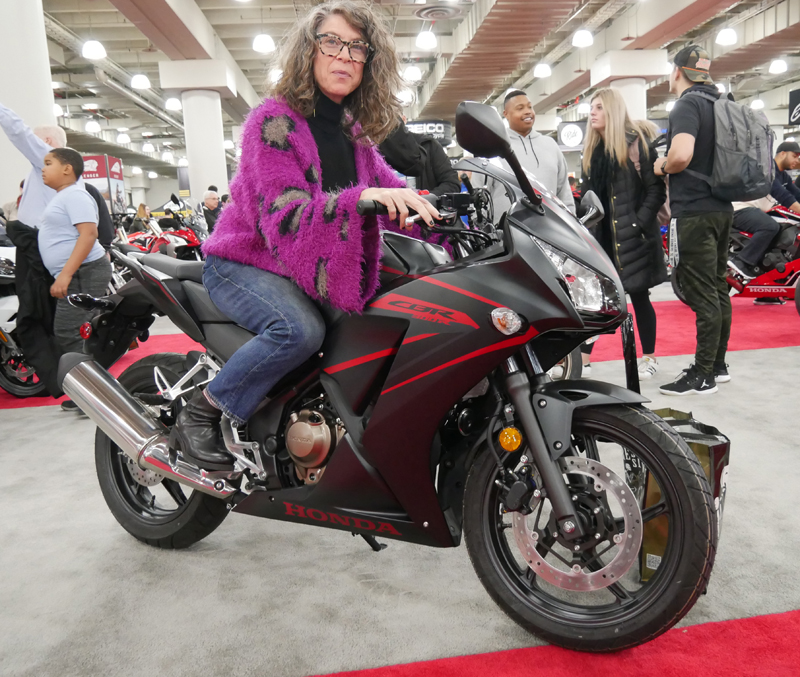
{"x":399,"y":338}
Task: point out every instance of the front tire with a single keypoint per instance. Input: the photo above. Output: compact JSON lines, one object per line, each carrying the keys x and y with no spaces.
{"x":630,"y":611}
{"x":17,"y":377}
{"x":157,"y":513}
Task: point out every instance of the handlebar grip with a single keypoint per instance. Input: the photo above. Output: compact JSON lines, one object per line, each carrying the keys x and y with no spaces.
{"x":371,"y":208}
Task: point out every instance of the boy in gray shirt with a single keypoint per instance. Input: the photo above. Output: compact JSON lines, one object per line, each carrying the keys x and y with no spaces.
{"x":68,"y":245}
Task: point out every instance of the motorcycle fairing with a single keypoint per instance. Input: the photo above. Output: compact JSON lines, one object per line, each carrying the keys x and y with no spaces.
{"x":422,"y":368}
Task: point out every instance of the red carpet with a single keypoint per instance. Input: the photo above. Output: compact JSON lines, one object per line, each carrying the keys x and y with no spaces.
{"x":763,"y":646}
{"x":754,"y":327}
{"x":167,"y":343}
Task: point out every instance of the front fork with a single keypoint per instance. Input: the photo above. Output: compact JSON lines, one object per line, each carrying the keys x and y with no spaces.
{"x":518,"y":387}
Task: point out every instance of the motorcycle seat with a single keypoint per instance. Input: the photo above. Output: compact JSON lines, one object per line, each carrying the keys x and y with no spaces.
{"x":180,"y":270}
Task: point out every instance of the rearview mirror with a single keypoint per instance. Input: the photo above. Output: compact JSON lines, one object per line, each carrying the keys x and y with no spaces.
{"x":480,"y":130}
{"x":593,"y":211}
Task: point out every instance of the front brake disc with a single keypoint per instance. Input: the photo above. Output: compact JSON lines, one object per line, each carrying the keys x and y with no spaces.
{"x":627,"y":542}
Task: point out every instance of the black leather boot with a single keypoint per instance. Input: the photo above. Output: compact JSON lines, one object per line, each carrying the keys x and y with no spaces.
{"x":197,"y":432}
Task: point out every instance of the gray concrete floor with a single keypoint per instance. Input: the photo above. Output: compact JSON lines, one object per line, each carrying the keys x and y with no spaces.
{"x":78,"y":596}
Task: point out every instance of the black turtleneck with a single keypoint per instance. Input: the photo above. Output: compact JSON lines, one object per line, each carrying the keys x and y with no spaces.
{"x":336,"y":155}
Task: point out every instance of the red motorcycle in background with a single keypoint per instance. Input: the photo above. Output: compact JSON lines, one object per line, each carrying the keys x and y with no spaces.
{"x":779,"y":269}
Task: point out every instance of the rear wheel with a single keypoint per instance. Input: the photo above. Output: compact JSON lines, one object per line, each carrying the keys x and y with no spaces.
{"x":158,"y":511}
{"x":589,"y":595}
{"x":17,"y":377}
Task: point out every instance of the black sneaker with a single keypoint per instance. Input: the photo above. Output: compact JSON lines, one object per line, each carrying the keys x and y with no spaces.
{"x":69,"y":405}
{"x":743,"y":269}
{"x":721,"y":374}
{"x":769,"y":301}
{"x":690,"y":382}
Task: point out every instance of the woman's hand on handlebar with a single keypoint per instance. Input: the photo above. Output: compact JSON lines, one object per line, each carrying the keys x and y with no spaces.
{"x":398,"y":201}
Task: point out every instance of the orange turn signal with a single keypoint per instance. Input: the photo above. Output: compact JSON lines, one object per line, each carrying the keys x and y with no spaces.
{"x":510,"y":439}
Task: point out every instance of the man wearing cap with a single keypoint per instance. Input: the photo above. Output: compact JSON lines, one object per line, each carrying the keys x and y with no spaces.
{"x":750,"y":217}
{"x":703,"y":222}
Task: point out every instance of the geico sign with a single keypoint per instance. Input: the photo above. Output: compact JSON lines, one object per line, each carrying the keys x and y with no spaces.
{"x":426,"y":127}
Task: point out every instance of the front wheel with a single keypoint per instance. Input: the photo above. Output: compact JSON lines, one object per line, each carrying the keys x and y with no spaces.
{"x":150,"y":507}
{"x":629,"y":474}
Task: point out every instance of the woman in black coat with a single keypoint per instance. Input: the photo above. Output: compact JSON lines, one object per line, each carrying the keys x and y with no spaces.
{"x":618,"y":167}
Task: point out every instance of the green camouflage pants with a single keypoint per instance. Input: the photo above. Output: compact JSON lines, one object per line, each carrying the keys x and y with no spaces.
{"x":703,"y":242}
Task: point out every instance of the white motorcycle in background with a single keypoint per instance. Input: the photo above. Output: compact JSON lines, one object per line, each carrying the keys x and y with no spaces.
{"x":17,"y":377}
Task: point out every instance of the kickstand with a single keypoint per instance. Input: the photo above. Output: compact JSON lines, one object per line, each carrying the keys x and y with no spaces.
{"x":372,"y":542}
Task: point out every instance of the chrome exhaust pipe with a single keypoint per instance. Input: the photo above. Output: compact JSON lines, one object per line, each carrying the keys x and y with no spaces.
{"x":133,"y":429}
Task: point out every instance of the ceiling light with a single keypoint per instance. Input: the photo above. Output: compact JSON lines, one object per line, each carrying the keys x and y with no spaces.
{"x":242,"y":0}
{"x":122,"y":129}
{"x":263,"y":44}
{"x":167,"y":143}
{"x":58,"y":111}
{"x":93,"y":50}
{"x":756,"y":104}
{"x":584,"y":108}
{"x":183,"y":162}
{"x":406,"y":97}
{"x":420,"y":2}
{"x":173,"y":103}
{"x":227,"y":144}
{"x":152,"y":175}
{"x":166,"y":156}
{"x":726,"y":37}
{"x":582,"y":38}
{"x":721,"y":88}
{"x":148,"y":148}
{"x":542,"y":70}
{"x":670,"y":105}
{"x":778,"y":66}
{"x":426,"y":40}
{"x":140,"y":81}
{"x":274,"y":75}
{"x":57,"y":85}
{"x":90,"y":106}
{"x":93,"y":127}
{"x":412,"y":74}
{"x":136,"y":170}
{"x":789,"y":138}
{"x":123,"y":138}
{"x":147,"y":133}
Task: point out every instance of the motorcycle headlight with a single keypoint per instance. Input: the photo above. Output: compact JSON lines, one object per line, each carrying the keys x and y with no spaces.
{"x":588,"y":290}
{"x":7,"y":267}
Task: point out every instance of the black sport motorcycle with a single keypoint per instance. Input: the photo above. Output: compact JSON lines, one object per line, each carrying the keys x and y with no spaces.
{"x":427,"y":418}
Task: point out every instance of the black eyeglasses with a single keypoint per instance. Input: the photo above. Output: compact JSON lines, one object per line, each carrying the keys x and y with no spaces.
{"x":332,"y":45}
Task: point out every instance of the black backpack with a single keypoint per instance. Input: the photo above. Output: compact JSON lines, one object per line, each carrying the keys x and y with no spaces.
{"x":743,"y":140}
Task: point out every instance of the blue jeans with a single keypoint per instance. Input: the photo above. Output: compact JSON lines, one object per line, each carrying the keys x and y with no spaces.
{"x":289,"y":329}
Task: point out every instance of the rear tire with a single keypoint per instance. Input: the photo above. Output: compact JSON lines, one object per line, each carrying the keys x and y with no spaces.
{"x":188,"y":519}
{"x":27,"y":386}
{"x":580,"y":622}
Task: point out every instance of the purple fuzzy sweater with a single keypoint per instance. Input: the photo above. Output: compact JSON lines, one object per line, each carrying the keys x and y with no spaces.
{"x":281,"y":221}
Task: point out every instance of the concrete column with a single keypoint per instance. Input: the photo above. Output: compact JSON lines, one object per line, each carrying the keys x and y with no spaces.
{"x":138,"y":196}
{"x":25,"y":85}
{"x":635,"y":95}
{"x":202,"y":116}
{"x":629,"y":72}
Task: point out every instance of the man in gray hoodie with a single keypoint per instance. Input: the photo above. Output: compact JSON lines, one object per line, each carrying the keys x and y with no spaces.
{"x":538,"y":154}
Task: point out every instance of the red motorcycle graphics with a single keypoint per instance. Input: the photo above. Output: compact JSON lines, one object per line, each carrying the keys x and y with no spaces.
{"x":423,"y":310}
{"x":339,"y":521}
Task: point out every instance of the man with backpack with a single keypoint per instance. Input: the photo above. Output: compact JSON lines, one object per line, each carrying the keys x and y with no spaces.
{"x":701,"y":220}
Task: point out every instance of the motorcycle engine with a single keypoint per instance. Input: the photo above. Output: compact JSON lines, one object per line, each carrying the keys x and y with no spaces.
{"x":311,"y":435}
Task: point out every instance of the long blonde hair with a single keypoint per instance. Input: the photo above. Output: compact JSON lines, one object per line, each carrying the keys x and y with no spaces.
{"x":618,"y":126}
{"x":374,"y":104}
{"x":141,"y":212}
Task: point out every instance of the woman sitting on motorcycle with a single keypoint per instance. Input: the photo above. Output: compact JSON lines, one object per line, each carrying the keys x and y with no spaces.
{"x":292,"y":237}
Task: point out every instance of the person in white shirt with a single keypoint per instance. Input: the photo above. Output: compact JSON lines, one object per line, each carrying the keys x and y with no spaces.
{"x":34,"y":144}
{"x":538,"y":154}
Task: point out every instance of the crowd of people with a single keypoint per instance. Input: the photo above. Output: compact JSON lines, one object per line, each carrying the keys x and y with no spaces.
{"x":271,"y":259}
